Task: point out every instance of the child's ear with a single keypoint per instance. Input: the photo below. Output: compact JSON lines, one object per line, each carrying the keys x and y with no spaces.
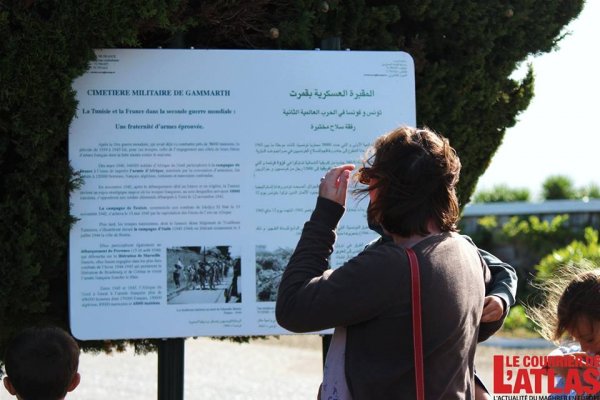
{"x":9,"y":387}
{"x":74,"y":382}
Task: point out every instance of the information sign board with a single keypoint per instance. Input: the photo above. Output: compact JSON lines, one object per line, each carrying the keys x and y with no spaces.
{"x":200,"y":168}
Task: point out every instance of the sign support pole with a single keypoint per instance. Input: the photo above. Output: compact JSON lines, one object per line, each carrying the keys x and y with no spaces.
{"x":170,"y":369}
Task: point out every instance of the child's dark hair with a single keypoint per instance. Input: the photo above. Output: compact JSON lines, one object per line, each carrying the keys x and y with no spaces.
{"x":573,"y":292}
{"x":41,"y":363}
{"x":581,"y":298}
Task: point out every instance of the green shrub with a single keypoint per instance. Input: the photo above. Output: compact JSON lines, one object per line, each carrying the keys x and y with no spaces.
{"x":577,"y":252}
{"x":517,"y":323}
{"x":502,"y":193}
{"x":529,"y":239}
{"x":558,"y":187}
{"x":574,"y":252}
{"x":591,"y":191}
{"x":539,"y":237}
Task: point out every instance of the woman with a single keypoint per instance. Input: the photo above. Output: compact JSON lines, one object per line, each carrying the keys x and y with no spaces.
{"x":411,"y":176}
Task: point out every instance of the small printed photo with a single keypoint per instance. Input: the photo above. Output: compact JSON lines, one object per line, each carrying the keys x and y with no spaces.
{"x":270,"y":265}
{"x":209,"y":274}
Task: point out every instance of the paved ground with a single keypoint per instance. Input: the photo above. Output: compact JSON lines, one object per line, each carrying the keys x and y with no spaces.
{"x":288,"y":368}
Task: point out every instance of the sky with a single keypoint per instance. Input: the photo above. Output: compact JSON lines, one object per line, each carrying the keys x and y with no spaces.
{"x":559,"y":133}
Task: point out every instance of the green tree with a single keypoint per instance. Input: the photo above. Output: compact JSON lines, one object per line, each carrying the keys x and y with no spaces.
{"x":44,"y":46}
{"x":591,"y":191}
{"x":502,"y":193}
{"x":464,"y":54}
{"x":558,"y":187}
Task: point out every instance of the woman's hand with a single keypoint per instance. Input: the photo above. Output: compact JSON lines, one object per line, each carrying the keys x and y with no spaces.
{"x":493,"y":308}
{"x":334,"y":185}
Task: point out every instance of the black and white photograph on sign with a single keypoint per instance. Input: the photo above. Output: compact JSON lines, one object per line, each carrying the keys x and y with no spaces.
{"x":203,"y":274}
{"x":270,"y":265}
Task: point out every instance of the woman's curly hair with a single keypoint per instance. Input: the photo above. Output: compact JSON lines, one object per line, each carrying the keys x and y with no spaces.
{"x":415,"y":172}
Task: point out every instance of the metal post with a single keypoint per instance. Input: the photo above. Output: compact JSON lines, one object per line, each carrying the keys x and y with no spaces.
{"x":170,"y":369}
{"x":331,"y":43}
{"x":177,"y":42}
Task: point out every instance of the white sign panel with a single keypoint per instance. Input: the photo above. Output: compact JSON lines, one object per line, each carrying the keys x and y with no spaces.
{"x":200,"y":168}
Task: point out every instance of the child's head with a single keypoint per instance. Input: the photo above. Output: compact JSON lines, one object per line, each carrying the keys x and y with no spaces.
{"x":578,"y":311}
{"x":41,"y":364}
{"x":571,"y":306}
